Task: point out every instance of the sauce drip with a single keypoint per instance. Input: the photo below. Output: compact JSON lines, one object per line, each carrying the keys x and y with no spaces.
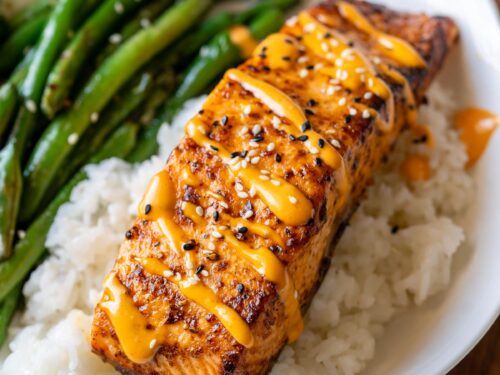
{"x":416,"y":168}
{"x":476,"y":126}
{"x":280,"y":50}
{"x":287,"y":202}
{"x":282,"y":105}
{"x":266,"y":264}
{"x":395,"y":48}
{"x":242,"y":38}
{"x":206,"y":298}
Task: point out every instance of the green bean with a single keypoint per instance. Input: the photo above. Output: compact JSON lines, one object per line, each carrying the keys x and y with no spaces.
{"x":8,"y":105}
{"x":63,"y":75}
{"x":55,"y":34}
{"x":7,"y":310}
{"x":4,"y":28}
{"x":53,"y":147}
{"x":29,"y":250}
{"x":263,"y":5}
{"x":216,"y":57}
{"x":29,"y":12}
{"x":147,"y":144}
{"x":11,"y":52}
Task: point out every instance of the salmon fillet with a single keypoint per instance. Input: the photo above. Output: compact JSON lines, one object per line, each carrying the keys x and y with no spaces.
{"x":232,"y":237}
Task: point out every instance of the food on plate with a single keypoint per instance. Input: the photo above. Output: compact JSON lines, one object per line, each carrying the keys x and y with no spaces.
{"x":231,"y":239}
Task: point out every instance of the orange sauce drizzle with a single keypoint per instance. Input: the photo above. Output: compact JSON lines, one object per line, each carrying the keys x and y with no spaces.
{"x":275,"y":47}
{"x":476,"y":126}
{"x":395,"y":48}
{"x":242,"y":38}
{"x":268,"y":265}
{"x":287,"y":202}
{"x":283,"y":106}
{"x":416,"y":168}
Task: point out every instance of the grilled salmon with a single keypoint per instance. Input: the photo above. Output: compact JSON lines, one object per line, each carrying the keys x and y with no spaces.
{"x":233,"y":235}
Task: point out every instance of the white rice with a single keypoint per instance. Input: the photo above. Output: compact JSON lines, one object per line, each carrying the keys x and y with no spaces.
{"x":374,"y":275}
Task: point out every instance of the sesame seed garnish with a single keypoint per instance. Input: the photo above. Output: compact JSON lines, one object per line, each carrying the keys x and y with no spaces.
{"x":94,"y":117}
{"x":244,"y":154}
{"x":242,"y":194}
{"x":264,"y":177}
{"x":147,"y":209}
{"x":214,"y":148}
{"x":366,"y":114}
{"x":199,"y":269}
{"x":257,"y":139}
{"x":252,"y":153}
{"x":244,"y":164}
{"x":312,"y":102}
{"x":321,"y":143}
{"x":224,"y":120}
{"x":240,"y":288}
{"x":31,"y":106}
{"x":247,"y":110}
{"x":309,"y":27}
{"x":348,"y":119}
{"x":335,"y":143}
{"x":377,"y":60}
{"x":324,"y":46}
{"x":238,"y":186}
{"x":342,"y":101}
{"x":277,"y":158}
{"x":235,"y":154}
{"x":244,"y":130}
{"x":223,"y":204}
{"x":368,"y":95}
{"x":292,"y":199}
{"x":115,"y":38}
{"x":302,"y":59}
{"x":145,"y":23}
{"x":303,"y":73}
{"x":353,"y":111}
{"x":339,"y":62}
{"x":270,"y":147}
{"x":334,"y":42}
{"x":128,"y":234}
{"x":204,"y":273}
{"x":313,"y":150}
{"x":318,"y":161}
{"x":216,"y":234}
{"x":252,"y":143}
{"x":215,"y":215}
{"x":256,"y":129}
{"x":73,"y":138}
{"x":242,"y":230}
{"x":248,"y":214}
{"x":275,"y":182}
{"x":199,"y":211}
{"x":152,"y":344}
{"x":276,"y":121}
{"x":188,"y":246}
{"x":305,"y":126}
{"x":119,"y":7}
{"x":303,"y":138}
{"x":168,"y":273}
{"x":252,"y":191}
{"x":21,"y":234}
{"x":211,"y":246}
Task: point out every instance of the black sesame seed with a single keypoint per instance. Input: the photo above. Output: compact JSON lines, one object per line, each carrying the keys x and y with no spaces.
{"x":357,"y":100}
{"x":321,"y":143}
{"x":286,"y":58}
{"x":289,"y":41}
{"x":277,"y":157}
{"x":199,"y":268}
{"x":348,"y":119}
{"x":128,"y":234}
{"x":350,"y":44}
{"x":234,"y":154}
{"x":259,"y":138}
{"x":262,"y":55}
{"x":242,"y":230}
{"x":240,"y":288}
{"x":422,"y":139}
{"x":216,"y":215}
{"x":266,"y":68}
{"x":303,"y":138}
{"x":318,"y":161}
{"x":310,"y":67}
{"x":291,"y":137}
{"x":188,"y":246}
{"x":147,"y":209}
{"x":224,"y":120}
{"x":309,"y":112}
{"x":243,"y":155}
{"x":275,"y":248}
{"x":395,"y":229}
{"x":214,"y":148}
{"x":305,"y":126}
{"x":201,"y":111}
{"x":328,"y":35}
{"x":312,"y":102}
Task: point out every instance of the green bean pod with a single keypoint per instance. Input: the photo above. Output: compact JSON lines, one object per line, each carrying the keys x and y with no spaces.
{"x":261,"y":6}
{"x":53,"y":147}
{"x":8,"y":106}
{"x":27,"y":13}
{"x":93,"y":32}
{"x":7,"y":310}
{"x":11,"y":52}
{"x":29,"y":250}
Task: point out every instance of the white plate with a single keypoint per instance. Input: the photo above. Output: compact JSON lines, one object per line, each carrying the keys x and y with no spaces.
{"x":432,"y":339}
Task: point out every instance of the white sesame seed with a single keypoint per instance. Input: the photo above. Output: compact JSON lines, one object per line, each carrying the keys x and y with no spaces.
{"x":319,"y":66}
{"x":223,"y":227}
{"x":353,"y":111}
{"x":189,"y":264}
{"x":255,"y":160}
{"x":302,"y":59}
{"x":94,"y":117}
{"x":292,"y":21}
{"x":211,"y":246}
{"x":386,"y":43}
{"x":223,"y":204}
{"x":368,"y":95}
{"x":344,"y":75}
{"x":145,"y":23}
{"x":237,"y":165}
{"x":199,"y":211}
{"x":313,"y":150}
{"x":303,"y":73}
{"x":264,"y":177}
{"x":342,"y":101}
{"x":275,"y":182}
{"x":115,"y":38}
{"x":168,"y":273}
{"x":244,"y":130}
{"x":244,"y":164}
{"x":73,"y":138}
{"x":330,"y":56}
{"x":322,"y":18}
{"x":309,"y":27}
{"x":370,"y":82}
{"x":252,"y":191}
{"x":242,"y":195}
{"x":331,"y":90}
{"x":247,"y":110}
{"x":256,"y":129}
{"x":360,"y":70}
{"x":204,"y":273}
{"x":335,"y":143}
{"x":334,"y":81}
{"x":252,"y":152}
{"x":248,"y":214}
{"x":377,"y":60}
{"x":366,"y":114}
{"x":270,"y":147}
{"x":346,"y":52}
{"x":119,"y":7}
{"x":253,"y":144}
{"x":152,"y":344}
{"x":216,"y":234}
{"x":292,"y":199}
{"x":21,"y":234}
{"x":183,"y":205}
{"x":178,"y":276}
{"x":276,"y":121}
{"x":265,"y":171}
{"x":334,"y":42}
{"x":339,"y":62}
{"x":31,"y":106}
{"x":324,"y":46}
